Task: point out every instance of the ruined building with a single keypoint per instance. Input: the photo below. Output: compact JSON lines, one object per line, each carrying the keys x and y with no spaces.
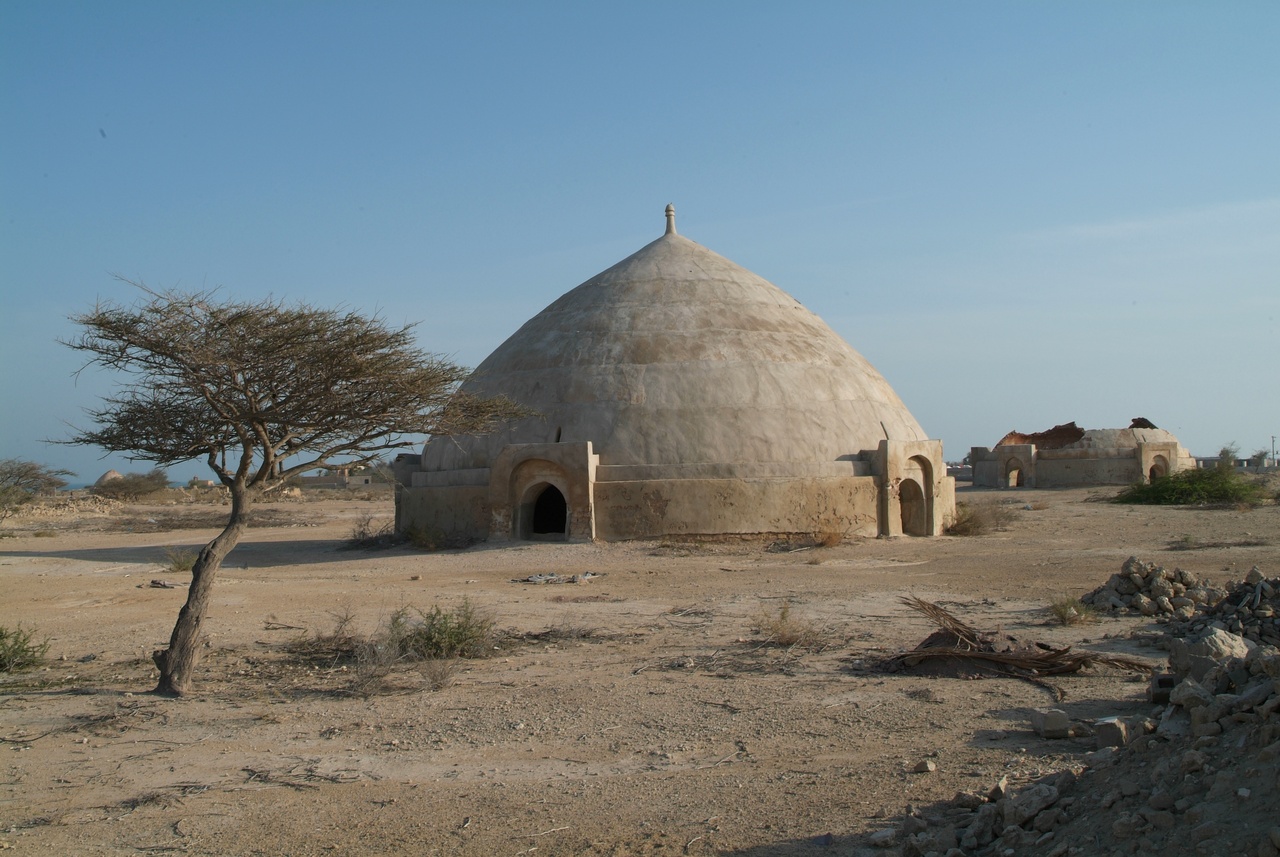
{"x":1067,"y":455}
{"x":680,"y":394}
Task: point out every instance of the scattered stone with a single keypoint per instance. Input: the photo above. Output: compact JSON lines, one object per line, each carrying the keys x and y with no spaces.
{"x":1111,"y":732}
{"x":1161,"y":685}
{"x":927,"y":766}
{"x":883,"y":838}
{"x":1028,"y":803}
{"x":1051,"y":723}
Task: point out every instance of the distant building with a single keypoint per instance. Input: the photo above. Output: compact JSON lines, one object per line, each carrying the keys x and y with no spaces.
{"x":1067,"y":456}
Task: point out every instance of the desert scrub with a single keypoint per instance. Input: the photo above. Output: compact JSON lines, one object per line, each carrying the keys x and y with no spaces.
{"x":1071,"y":611}
{"x":1195,"y":487}
{"x":368,"y":534}
{"x":786,"y":629}
{"x":980,"y":518}
{"x":463,"y":632}
{"x":180,"y":559}
{"x":19,"y":650}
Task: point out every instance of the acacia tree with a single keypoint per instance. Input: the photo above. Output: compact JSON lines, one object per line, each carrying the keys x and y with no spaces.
{"x":23,"y":481}
{"x":262,"y":392}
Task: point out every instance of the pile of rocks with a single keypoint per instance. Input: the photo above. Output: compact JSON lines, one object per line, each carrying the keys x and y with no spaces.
{"x":1152,"y":590}
{"x":1196,"y":774}
{"x":69,"y":506}
{"x":1191,"y":605}
{"x":1249,"y":608}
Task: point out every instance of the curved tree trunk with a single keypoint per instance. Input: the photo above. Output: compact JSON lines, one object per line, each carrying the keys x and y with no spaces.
{"x":177,"y":664}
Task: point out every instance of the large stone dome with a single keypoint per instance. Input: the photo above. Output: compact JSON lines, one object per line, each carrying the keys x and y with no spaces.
{"x":679,"y":393}
{"x":676,"y":356}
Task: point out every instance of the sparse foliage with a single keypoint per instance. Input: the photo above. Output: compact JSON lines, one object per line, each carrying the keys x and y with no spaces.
{"x":23,"y":481}
{"x":249,"y":386}
{"x":1259,"y":457}
{"x":785,"y":629}
{"x":463,"y":632}
{"x":980,"y":518}
{"x":368,"y":533}
{"x":433,"y":642}
{"x":132,"y":486}
{"x":19,"y":649}
{"x":1072,"y":611}
{"x":1228,"y":455}
{"x":178,"y":560}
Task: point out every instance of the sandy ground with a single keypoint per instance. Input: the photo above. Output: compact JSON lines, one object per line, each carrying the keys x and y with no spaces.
{"x":643,"y":712}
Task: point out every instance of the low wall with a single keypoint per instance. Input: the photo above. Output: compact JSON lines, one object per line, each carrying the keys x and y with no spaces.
{"x":1070,"y":472}
{"x":452,"y":511}
{"x":628,"y":510}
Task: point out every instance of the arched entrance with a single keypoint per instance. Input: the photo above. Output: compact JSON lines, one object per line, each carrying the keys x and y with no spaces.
{"x":1159,"y":468}
{"x":1013,"y":473}
{"x":915,"y":510}
{"x":545,"y":514}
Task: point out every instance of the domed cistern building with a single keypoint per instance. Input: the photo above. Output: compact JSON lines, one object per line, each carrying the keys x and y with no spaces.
{"x":679,"y":394}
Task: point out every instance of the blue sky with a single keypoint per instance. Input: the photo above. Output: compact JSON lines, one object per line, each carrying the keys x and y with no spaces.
{"x":1021,"y":213}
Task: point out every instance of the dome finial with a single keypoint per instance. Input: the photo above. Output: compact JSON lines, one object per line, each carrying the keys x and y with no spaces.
{"x":671,"y":219}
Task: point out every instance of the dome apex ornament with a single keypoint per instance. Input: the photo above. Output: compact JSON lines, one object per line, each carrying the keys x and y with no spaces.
{"x":671,"y":219}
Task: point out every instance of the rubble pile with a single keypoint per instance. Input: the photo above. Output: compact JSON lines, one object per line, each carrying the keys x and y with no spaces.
{"x":1192,"y":605}
{"x":1197,"y":773}
{"x":1153,"y":590}
{"x":1250,"y":608}
{"x":69,"y":506}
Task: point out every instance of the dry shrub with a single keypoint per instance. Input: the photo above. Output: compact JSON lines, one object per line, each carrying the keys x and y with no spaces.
{"x":1072,"y":611}
{"x":177,"y":560}
{"x":368,"y":533}
{"x":19,"y":649}
{"x":432,"y":641}
{"x":463,"y":632}
{"x":829,"y":539}
{"x":786,"y":629}
{"x":439,"y":672}
{"x":980,"y":518}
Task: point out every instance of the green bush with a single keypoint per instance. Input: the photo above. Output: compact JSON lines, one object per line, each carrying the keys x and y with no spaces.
{"x":1194,"y":487}
{"x":18,"y":651}
{"x":463,"y":632}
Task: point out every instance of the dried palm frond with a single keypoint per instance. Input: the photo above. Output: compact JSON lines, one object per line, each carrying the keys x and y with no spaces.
{"x":969,"y":636}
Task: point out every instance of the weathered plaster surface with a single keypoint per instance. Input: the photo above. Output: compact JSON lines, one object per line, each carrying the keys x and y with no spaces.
{"x":678,"y":393}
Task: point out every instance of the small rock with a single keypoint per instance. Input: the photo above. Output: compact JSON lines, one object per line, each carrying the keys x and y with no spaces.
{"x":928,"y":766}
{"x":1028,"y":803}
{"x":1189,"y":694}
{"x":883,"y":838}
{"x":1050,"y":723}
{"x":999,"y":790}
{"x":1111,"y":732}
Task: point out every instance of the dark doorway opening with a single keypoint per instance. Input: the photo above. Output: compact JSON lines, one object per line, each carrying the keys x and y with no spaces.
{"x":550,"y":515}
{"x":915,"y":511}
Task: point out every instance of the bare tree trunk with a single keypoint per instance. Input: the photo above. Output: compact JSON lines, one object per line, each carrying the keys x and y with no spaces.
{"x":177,"y":664}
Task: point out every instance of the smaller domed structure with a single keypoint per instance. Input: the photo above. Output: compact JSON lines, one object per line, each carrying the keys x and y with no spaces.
{"x":1067,"y":455}
{"x":109,"y":476}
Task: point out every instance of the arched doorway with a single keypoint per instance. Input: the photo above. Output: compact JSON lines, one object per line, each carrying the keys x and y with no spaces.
{"x":549,"y":518}
{"x":1159,"y":468}
{"x":915,"y":511}
{"x":1013,"y":473}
